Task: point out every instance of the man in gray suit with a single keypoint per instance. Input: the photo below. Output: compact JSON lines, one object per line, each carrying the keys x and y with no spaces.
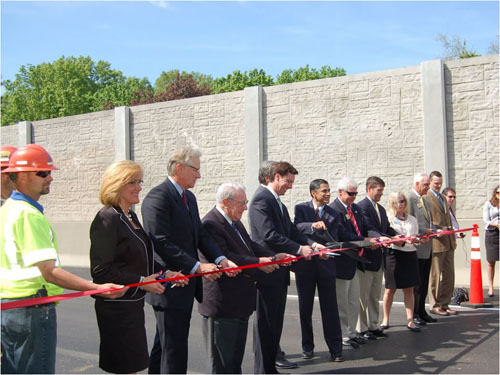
{"x":419,"y":207}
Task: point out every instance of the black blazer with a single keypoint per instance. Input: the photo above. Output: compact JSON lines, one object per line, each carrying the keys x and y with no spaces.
{"x":346,"y":266}
{"x":231,"y":297}
{"x":305,"y":216}
{"x":119,"y":253}
{"x":273,"y":230}
{"x":177,"y":234}
{"x":376,"y":229}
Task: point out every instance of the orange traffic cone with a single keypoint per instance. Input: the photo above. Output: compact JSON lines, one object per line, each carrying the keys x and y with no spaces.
{"x":476,"y":298}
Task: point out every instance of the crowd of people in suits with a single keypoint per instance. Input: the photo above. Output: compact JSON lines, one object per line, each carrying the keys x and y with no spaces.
{"x":354,"y":258}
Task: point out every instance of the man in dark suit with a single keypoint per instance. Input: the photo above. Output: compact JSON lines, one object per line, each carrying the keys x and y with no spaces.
{"x":171,"y":219}
{"x":271,"y":228}
{"x":228,"y":303}
{"x":371,"y":280}
{"x":420,"y":208}
{"x":348,"y":269}
{"x":322,"y":224}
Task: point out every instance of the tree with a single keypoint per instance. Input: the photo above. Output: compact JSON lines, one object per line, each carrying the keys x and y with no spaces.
{"x":454,"y":48}
{"x":167,"y":78}
{"x":306,"y":74}
{"x":493,"y":48}
{"x":238,"y":80}
{"x":120,"y":94}
{"x":68,"y":86}
{"x":180,"y":87}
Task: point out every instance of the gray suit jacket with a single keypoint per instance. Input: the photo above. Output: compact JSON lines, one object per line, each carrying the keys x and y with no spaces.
{"x":424,"y":222}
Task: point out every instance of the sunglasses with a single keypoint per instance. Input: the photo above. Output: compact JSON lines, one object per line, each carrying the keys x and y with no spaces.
{"x":43,"y":174}
{"x":352,"y":193}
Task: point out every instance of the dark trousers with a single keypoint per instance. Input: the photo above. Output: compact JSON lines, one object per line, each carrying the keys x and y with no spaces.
{"x":268,"y":322}
{"x":420,"y":291}
{"x":306,"y":288}
{"x":170,"y":348}
{"x":225,"y":340}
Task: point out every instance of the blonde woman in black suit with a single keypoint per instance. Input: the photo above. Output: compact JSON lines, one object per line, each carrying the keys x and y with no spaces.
{"x":121,"y":251}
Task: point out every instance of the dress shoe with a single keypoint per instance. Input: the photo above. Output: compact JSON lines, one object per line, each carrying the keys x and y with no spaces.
{"x":308,"y":354}
{"x":419,"y":322}
{"x":336,"y":357}
{"x":491,"y":295}
{"x":428,"y":318}
{"x":439,"y":312}
{"x":368,"y":335}
{"x":350,"y":342}
{"x":451,"y":312}
{"x":379,"y":333}
{"x":384,"y":326}
{"x":413,"y":329}
{"x":284,"y":363}
{"x":359,"y":340}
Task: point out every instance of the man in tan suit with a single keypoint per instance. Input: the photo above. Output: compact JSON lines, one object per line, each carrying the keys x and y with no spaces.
{"x":442,"y":277}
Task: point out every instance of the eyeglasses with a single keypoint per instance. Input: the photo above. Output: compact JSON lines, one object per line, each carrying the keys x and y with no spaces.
{"x":195,"y":169}
{"x":351,"y":193}
{"x":241,"y":203}
{"x":43,"y":174}
{"x":451,"y":196}
{"x":136,"y":182}
{"x":402,"y":201}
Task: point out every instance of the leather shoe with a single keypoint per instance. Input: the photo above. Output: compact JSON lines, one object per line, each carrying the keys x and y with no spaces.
{"x":368,"y":335}
{"x":419,"y":322}
{"x":452,"y":312}
{"x":428,"y":318}
{"x":439,"y":312}
{"x":360,"y":340}
{"x":284,"y":363}
{"x":308,"y":354}
{"x":384,"y":326}
{"x":413,"y":329}
{"x":350,"y":342}
{"x":337,"y":357}
{"x":379,"y":333}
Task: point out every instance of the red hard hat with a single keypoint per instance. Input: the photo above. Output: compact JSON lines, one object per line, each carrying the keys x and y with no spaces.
{"x":5,"y":155}
{"x":30,"y":158}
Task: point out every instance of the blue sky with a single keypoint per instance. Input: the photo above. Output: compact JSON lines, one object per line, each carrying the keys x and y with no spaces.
{"x":144,"y":38}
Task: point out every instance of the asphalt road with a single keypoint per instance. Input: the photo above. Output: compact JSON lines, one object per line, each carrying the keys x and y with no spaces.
{"x":464,"y":344}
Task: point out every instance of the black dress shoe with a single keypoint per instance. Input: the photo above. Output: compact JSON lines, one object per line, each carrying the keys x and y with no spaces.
{"x":419,"y":322}
{"x":368,"y":335}
{"x":350,"y":342}
{"x":337,"y":357}
{"x":428,"y":319}
{"x":308,"y":354}
{"x":360,"y":340}
{"x":284,"y":363}
{"x":379,"y":333}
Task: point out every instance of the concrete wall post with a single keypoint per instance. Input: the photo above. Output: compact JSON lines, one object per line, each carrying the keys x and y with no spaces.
{"x":254,"y":150}
{"x":122,"y":133}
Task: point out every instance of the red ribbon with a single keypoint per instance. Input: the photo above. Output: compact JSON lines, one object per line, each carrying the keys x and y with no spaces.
{"x":61,"y":297}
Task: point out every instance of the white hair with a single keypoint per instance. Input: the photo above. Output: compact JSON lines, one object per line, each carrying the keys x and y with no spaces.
{"x":227,"y":190}
{"x":419,"y":177}
{"x":345,"y":182}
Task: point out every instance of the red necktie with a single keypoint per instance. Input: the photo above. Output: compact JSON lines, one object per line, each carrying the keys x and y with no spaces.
{"x":317,"y":215}
{"x":185,"y":198}
{"x":360,"y":252}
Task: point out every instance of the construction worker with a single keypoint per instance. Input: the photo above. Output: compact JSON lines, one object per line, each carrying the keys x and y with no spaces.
{"x":29,"y":267}
{"x":7,"y":184}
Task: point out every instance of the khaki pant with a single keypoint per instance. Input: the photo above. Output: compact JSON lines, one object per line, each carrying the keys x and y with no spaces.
{"x":370,"y":286}
{"x":441,"y":279}
{"x":348,"y":305}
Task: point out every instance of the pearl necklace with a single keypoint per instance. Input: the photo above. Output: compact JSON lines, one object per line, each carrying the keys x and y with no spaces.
{"x":129,"y":215}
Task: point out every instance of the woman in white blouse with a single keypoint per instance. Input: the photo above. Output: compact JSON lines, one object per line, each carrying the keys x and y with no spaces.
{"x":401,"y":264}
{"x":491,"y":221}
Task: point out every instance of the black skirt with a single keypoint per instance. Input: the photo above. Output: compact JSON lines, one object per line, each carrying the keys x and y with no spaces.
{"x":401,"y":269}
{"x":124,"y":346}
{"x":491,"y":243}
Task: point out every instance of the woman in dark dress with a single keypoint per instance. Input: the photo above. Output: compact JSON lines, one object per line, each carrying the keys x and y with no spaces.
{"x":121,"y":252}
{"x":401,"y":263}
{"x":492,"y":224}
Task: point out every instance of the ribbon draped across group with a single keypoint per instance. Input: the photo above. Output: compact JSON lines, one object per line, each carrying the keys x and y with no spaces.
{"x":42,"y":300}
